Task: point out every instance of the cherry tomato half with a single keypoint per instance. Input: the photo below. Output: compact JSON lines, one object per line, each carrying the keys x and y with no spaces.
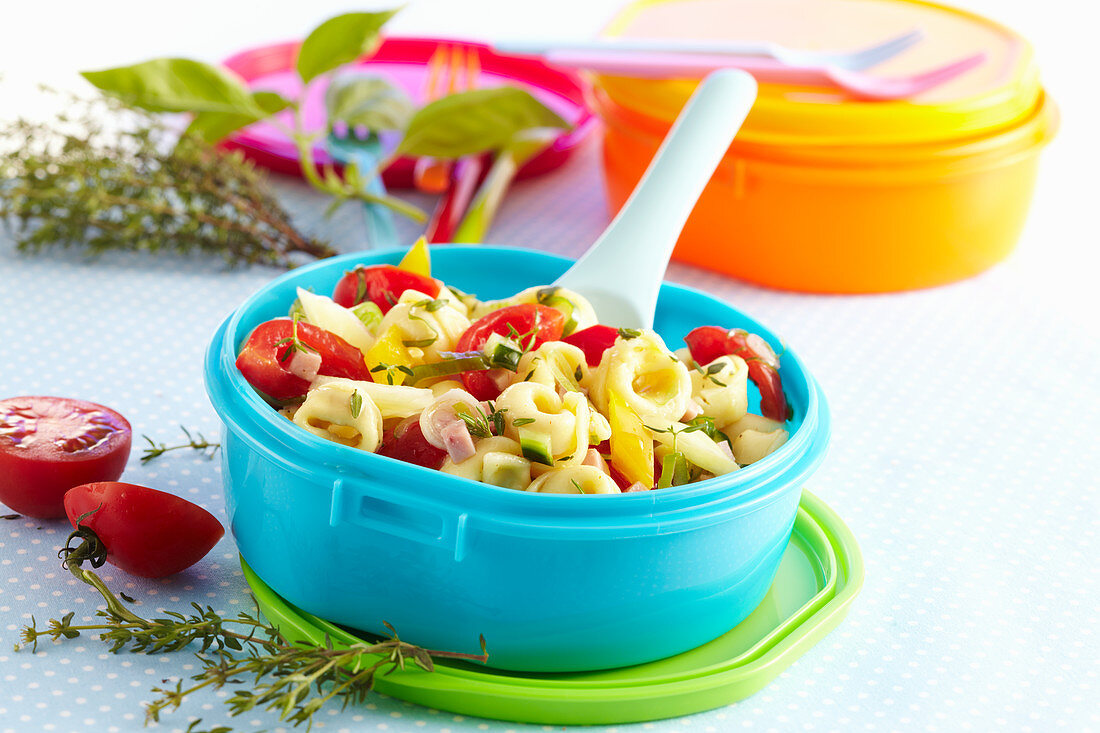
{"x":763,"y":364}
{"x":264,"y":360}
{"x":147,"y":533}
{"x":593,"y":341}
{"x":707,"y":343}
{"x":410,"y":445}
{"x":533,"y":324}
{"x":381,"y":285}
{"x":50,"y":444}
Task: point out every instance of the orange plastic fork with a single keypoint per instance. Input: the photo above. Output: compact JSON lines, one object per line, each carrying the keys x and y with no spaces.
{"x":450,"y":69}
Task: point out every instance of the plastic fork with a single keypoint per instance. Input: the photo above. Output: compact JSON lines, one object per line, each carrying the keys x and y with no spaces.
{"x":621,"y":273}
{"x":362,"y":148}
{"x":460,"y":178}
{"x":450,"y":69}
{"x":856,"y":83}
{"x":856,"y":60}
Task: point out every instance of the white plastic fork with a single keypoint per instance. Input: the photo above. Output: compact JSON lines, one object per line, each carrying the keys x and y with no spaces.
{"x":856,"y":60}
{"x":673,"y":66}
{"x":621,"y":273}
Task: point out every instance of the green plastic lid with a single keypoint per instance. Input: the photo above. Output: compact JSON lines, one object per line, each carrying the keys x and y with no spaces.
{"x":821,"y":572}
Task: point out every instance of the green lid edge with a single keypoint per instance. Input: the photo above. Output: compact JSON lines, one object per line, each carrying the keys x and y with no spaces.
{"x":471,"y":691}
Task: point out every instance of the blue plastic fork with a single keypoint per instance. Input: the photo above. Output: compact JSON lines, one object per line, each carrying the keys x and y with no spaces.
{"x":362,"y":148}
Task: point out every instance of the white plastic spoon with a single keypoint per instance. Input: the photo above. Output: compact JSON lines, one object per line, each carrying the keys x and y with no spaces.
{"x":621,"y":273}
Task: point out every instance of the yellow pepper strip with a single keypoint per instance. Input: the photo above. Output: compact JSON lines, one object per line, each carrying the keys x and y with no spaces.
{"x":631,"y":444}
{"x":388,"y":351}
{"x":418,"y":259}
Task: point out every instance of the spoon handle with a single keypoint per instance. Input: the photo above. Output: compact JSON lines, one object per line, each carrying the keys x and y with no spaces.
{"x":628,"y":262}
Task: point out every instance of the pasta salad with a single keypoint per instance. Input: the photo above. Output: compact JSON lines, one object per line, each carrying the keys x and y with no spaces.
{"x":529,"y":393}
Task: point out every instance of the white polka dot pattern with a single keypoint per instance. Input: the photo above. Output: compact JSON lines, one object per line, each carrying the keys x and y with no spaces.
{"x":963,"y":459}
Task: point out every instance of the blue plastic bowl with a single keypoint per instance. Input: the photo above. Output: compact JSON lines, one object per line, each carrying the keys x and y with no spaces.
{"x":554,"y":582}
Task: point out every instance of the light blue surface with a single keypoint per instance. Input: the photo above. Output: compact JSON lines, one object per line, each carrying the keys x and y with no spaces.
{"x":964,"y":463}
{"x":541,"y":576}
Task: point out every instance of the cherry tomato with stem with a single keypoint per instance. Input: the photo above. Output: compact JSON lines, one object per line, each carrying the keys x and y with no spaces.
{"x":48,"y":445}
{"x":146,"y":532}
{"x":381,"y":285}
{"x":265,"y":358}
{"x":530,"y":325}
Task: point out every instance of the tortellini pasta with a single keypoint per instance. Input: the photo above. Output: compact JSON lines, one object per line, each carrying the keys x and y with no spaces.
{"x":340,"y":412}
{"x":555,"y":364}
{"x":752,"y":445}
{"x":562,"y":420}
{"x":520,"y":407}
{"x":750,"y":421}
{"x":391,"y":400}
{"x":574,"y":480}
{"x":641,"y":370}
{"x":430,"y":325}
{"x":755,"y":437}
{"x":721,"y":389}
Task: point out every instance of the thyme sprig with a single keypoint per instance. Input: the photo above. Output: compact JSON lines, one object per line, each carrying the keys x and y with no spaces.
{"x":708,"y":372}
{"x":481,"y":424}
{"x":196,"y":442}
{"x":292,"y":680}
{"x":389,"y":369}
{"x":295,"y":341}
{"x":104,"y":177}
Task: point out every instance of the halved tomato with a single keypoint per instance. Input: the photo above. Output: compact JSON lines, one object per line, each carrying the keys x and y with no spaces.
{"x":707,"y":343}
{"x":593,"y":341}
{"x":529,"y":324}
{"x":381,"y":285}
{"x":408,"y":444}
{"x":48,"y":445}
{"x":265,"y":357}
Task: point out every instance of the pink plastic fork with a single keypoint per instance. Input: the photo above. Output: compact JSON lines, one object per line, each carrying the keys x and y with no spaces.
{"x":856,"y":83}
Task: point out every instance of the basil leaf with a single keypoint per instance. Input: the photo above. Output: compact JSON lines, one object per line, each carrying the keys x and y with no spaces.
{"x":213,"y":126}
{"x":339,"y":41}
{"x":474,"y":121}
{"x":370,"y":101}
{"x":177,"y":85}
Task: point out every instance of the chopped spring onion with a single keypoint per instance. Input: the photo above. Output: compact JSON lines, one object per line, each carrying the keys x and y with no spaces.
{"x":368,"y":313}
{"x":452,"y":363}
{"x":674,"y":471}
{"x":550,"y":297}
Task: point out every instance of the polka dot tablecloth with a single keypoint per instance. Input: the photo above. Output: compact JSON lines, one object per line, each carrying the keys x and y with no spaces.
{"x":963,"y":459}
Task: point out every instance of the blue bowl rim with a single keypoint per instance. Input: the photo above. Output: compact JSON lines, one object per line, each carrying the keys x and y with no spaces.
{"x":754,"y":486}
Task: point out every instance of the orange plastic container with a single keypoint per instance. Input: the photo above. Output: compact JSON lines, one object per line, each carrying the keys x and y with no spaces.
{"x":825,"y":193}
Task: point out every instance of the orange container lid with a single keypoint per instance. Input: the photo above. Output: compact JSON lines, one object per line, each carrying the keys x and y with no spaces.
{"x":1003,"y":91}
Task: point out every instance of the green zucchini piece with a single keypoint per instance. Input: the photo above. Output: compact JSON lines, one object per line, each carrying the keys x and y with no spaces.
{"x":506,"y":470}
{"x":505,"y":357}
{"x":535,"y":446}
